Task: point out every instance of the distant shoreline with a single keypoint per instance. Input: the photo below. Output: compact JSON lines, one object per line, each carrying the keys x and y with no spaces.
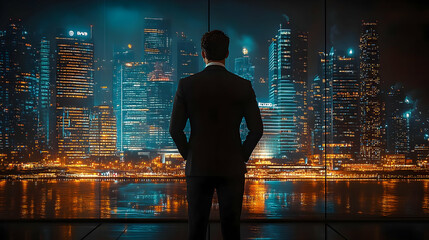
{"x":163,"y":178}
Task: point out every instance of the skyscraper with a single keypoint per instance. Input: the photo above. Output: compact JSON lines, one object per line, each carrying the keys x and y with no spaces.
{"x":317,"y":118}
{"x":102,"y":138}
{"x":157,"y":43}
{"x":417,"y":127}
{"x":371,"y":99}
{"x":300,"y":75}
{"x":272,"y":70}
{"x":322,"y":107}
{"x":282,"y":88}
{"x":187,"y":63}
{"x":187,"y":57}
{"x":121,"y":55}
{"x":157,"y":54}
{"x":397,"y":135}
{"x":74,"y":93}
{"x":46,"y":97}
{"x":260,"y":83}
{"x":102,"y":82}
{"x":345,"y":107}
{"x":159,"y":103}
{"x":131,"y":106}
{"x":267,"y":146}
{"x":335,"y":105}
{"x":18,"y":94}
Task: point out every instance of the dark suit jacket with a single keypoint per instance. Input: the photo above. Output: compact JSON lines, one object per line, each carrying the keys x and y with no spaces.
{"x":215,"y":101}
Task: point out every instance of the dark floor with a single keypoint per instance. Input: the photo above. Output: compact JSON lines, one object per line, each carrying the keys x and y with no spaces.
{"x":106,"y":231}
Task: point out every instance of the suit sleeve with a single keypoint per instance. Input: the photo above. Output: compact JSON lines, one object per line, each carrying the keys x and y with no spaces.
{"x":179,"y":116}
{"x":252,"y":115}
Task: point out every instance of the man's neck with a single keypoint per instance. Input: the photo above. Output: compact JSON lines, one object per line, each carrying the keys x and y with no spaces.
{"x":218,"y":63}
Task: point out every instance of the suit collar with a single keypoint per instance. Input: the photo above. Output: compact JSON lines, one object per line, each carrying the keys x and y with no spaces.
{"x":212,"y":67}
{"x":215,"y":63}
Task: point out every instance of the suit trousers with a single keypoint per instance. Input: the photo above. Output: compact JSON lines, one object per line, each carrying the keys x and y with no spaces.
{"x":200,"y":191}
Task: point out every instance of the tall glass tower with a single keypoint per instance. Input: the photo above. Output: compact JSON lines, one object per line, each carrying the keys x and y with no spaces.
{"x":187,"y":57}
{"x":18,"y":94}
{"x":157,"y":54}
{"x":322,"y":107}
{"x":300,"y":75}
{"x":345,"y":107}
{"x":74,"y":93}
{"x":130,"y":106}
{"x":316,"y":123}
{"x":121,"y":55}
{"x":397,"y":136}
{"x":282,"y":90}
{"x":268,"y":146}
{"x":159,"y":104}
{"x":157,"y":43}
{"x":46,"y":94}
{"x":187,"y":64}
{"x":102,"y":139}
{"x":371,"y":99}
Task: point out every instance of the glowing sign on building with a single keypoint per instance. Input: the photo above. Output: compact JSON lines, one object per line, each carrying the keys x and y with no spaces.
{"x":82,"y":33}
{"x":77,"y":33}
{"x":263,"y":104}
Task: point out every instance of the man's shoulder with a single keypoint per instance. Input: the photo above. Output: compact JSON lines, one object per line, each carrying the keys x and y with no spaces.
{"x":240,"y":79}
{"x":205,"y":74}
{"x":193,"y":76}
{"x":240,"y":82}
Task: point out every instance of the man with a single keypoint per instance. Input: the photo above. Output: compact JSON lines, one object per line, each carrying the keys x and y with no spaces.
{"x":215,"y":101}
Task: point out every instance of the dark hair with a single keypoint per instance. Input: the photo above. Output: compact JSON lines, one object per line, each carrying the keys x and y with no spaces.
{"x":215,"y":45}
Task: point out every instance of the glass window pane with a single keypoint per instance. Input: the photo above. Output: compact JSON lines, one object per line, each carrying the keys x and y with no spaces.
{"x":87,"y":91}
{"x":275,"y":45}
{"x":376,"y":110}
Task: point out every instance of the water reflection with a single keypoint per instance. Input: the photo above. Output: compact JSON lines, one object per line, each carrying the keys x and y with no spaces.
{"x":166,"y":198}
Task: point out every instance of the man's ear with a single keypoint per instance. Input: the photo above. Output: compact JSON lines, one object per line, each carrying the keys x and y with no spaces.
{"x":203,"y":54}
{"x":227,"y":54}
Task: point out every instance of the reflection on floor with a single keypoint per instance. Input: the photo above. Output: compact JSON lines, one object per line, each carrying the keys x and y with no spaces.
{"x":159,"y":231}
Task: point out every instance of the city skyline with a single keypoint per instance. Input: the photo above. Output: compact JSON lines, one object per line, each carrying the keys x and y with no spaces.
{"x":86,"y":99}
{"x":289,"y":92}
{"x":120,"y":23}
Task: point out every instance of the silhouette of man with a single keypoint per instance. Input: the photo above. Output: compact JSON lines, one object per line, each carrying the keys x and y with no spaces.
{"x":215,"y":101}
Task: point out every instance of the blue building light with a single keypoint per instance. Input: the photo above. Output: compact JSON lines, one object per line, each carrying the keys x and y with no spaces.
{"x":407,"y":100}
{"x":407,"y":114}
{"x":350,"y":51}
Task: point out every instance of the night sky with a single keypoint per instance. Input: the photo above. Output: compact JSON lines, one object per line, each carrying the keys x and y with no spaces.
{"x":403,"y":27}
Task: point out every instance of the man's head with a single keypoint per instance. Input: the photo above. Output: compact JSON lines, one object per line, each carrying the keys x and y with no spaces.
{"x":214,"y":46}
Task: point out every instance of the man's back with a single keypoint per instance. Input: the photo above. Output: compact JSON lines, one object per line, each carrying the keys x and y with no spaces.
{"x":215,"y":101}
